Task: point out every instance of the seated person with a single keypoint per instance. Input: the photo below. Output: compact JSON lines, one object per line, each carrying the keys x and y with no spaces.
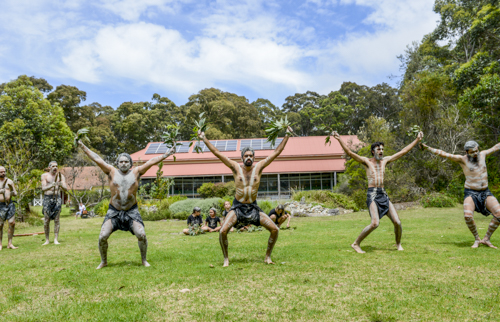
{"x":278,"y":215}
{"x":211,"y":221}
{"x":81,"y":210}
{"x":227,"y":209}
{"x":194,"y":219}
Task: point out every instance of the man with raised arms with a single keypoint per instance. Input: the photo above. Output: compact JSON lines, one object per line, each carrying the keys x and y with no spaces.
{"x":477,"y":196}
{"x":123,"y":212}
{"x":7,"y":207}
{"x":377,"y":201}
{"x":52,"y":184}
{"x":245,"y":210}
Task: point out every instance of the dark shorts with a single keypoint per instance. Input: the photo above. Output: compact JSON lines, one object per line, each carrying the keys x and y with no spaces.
{"x":246,"y":213}
{"x":379,"y":196}
{"x":123,"y":219}
{"x":479,"y":198}
{"x":7,"y":211}
{"x":51,"y":206}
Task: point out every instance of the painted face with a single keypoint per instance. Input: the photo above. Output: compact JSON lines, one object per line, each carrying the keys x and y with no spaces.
{"x":212,"y":213}
{"x":124,"y":164}
{"x":473,"y":155}
{"x":53,"y":167}
{"x":227,"y":205}
{"x":248,"y":158}
{"x":378,"y":152}
{"x":2,"y":172}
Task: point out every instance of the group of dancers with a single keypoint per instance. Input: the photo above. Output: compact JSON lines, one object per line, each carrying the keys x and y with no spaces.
{"x":123,"y":212}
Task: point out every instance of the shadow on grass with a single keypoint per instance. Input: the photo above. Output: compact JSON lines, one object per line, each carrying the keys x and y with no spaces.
{"x":463,"y":244}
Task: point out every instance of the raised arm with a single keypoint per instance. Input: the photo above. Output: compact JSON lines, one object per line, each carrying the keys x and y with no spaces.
{"x":267,"y":161}
{"x":228,"y":162}
{"x":96,"y":158}
{"x":441,"y":153}
{"x":145,"y":167}
{"x":406,"y":149}
{"x":348,"y":151}
{"x":493,"y":149}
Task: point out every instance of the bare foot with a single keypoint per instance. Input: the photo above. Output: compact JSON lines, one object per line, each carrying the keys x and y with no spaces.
{"x":476,"y":243}
{"x":13,"y":247}
{"x":102,"y":265}
{"x":56,"y":242}
{"x":488,"y":243}
{"x":145,"y":263}
{"x":399,"y":247}
{"x":357,"y":249}
{"x":46,"y":243}
{"x":226,"y":262}
{"x":268,"y":260}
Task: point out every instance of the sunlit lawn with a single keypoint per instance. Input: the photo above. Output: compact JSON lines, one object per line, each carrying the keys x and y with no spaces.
{"x":317,"y":275}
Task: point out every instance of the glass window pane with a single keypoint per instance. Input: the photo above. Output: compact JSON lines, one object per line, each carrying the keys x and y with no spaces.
{"x":187,"y":185}
{"x":178,"y":186}
{"x":294,"y":181}
{"x":263,"y":184}
{"x":316,"y":181}
{"x":272,"y":183}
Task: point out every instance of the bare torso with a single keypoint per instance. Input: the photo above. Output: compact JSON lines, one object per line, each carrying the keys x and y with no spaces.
{"x":49,"y":178}
{"x":123,"y":188}
{"x":4,"y":183}
{"x":476,"y":174}
{"x":375,"y":171}
{"x":247,"y":181}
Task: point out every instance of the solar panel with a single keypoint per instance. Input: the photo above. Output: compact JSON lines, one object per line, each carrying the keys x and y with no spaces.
{"x":226,"y":145}
{"x":259,"y":144}
{"x":160,"y":148}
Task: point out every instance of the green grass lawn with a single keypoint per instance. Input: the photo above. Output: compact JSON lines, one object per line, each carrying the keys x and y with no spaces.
{"x":317,"y":275}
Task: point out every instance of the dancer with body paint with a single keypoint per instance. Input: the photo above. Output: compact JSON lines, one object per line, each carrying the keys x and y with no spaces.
{"x":123,"y":212}
{"x":245,"y":210}
{"x":477,"y":196}
{"x":52,"y":184}
{"x":7,"y":207}
{"x":377,"y":201}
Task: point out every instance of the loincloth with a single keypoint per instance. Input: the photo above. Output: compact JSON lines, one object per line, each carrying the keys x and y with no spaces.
{"x":379,"y":196}
{"x":479,"y":197}
{"x":123,"y":219}
{"x":246,"y":213}
{"x":51,"y":206}
{"x":7,"y":211}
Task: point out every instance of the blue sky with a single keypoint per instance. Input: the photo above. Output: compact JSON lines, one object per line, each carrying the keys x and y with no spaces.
{"x":127,"y":50}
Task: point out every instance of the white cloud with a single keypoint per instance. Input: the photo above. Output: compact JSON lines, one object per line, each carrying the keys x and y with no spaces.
{"x":132,"y":10}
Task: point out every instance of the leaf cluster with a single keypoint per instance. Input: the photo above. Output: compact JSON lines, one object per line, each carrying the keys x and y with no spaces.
{"x":277,"y":127}
{"x":201,"y":125}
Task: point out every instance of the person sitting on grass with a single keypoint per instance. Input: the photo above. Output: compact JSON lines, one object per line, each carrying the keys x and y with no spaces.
{"x":278,"y":215}
{"x":194,"y":219}
{"x":211,"y":221}
{"x":81,"y":210}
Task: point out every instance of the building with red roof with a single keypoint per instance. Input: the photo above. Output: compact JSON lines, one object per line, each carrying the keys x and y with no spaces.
{"x":306,"y":163}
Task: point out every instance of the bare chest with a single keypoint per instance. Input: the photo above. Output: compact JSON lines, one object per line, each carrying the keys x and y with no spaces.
{"x":124,"y":182}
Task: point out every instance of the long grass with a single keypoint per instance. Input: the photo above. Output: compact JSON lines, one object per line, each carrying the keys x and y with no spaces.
{"x":317,"y":276}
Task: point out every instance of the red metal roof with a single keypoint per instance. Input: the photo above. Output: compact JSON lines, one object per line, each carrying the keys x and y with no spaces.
{"x":301,"y":154}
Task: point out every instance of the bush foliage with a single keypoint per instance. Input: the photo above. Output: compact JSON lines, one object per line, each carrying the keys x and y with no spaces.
{"x":327,"y":199}
{"x":217,"y":190}
{"x":439,"y":200}
{"x":186,"y":206}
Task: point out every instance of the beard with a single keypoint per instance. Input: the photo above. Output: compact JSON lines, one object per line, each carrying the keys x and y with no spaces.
{"x":2,"y":175}
{"x":473,"y":159}
{"x":379,"y":157}
{"x":248,"y":162}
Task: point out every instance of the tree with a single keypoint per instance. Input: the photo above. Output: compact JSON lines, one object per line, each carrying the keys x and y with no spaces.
{"x":69,"y":98}
{"x":27,"y":116}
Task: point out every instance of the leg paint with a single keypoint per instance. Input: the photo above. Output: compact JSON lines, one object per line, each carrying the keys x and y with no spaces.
{"x":46,"y":228}
{"x":398,"y":229}
{"x":106,"y":230}
{"x":368,"y":229}
{"x":142,"y":241}
{"x":228,"y":223}
{"x":12,"y":225}
{"x":469,"y":220}
{"x":494,"y":207}
{"x":56,"y":229}
{"x":267,"y":223}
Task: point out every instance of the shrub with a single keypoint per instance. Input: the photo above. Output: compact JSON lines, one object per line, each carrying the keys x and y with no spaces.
{"x":183,"y":215}
{"x":267,"y":205}
{"x":101,"y":208}
{"x":217,"y":190}
{"x":188,"y":205}
{"x":157,"y":215}
{"x":436,"y":199}
{"x":359,"y":197}
{"x":327,"y":199}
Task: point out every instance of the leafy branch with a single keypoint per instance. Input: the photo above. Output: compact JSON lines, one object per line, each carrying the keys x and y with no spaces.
{"x":200,"y":126}
{"x":170,"y":137}
{"x":275,"y":128}
{"x":80,"y":135}
{"x":328,"y":131}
